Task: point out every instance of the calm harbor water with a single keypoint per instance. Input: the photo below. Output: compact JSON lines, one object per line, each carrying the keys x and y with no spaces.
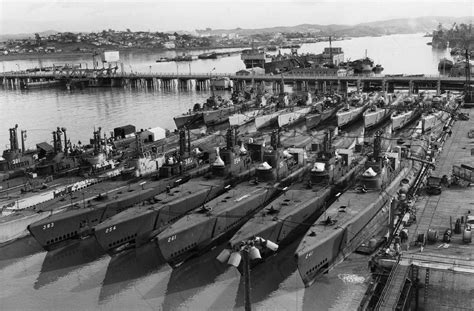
{"x":81,"y":277}
{"x":41,"y":111}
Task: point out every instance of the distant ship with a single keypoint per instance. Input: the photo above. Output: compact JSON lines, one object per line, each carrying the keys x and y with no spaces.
{"x":332,"y":59}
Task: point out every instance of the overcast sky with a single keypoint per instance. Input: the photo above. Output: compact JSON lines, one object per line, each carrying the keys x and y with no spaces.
{"x":20,"y":16}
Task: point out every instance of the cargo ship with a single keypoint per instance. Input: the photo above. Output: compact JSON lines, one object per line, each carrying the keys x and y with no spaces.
{"x":289,"y":215}
{"x":221,"y":217}
{"x":138,"y":225}
{"x":353,"y":110}
{"x":323,"y":111}
{"x":338,"y":227}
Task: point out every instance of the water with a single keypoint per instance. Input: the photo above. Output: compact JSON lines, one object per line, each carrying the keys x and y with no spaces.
{"x":81,"y":277}
{"x":80,"y":111}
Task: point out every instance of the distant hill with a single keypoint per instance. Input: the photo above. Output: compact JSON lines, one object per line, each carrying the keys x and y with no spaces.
{"x":414,"y":25}
{"x":377,"y":28}
{"x":26,"y":35}
{"x":393,"y":26}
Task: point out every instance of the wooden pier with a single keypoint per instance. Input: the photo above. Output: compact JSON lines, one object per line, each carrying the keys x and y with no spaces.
{"x":440,"y":273}
{"x":303,"y":82}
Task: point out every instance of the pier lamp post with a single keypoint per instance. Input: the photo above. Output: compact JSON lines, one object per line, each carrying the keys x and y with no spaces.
{"x":18,"y":66}
{"x":247,"y":250}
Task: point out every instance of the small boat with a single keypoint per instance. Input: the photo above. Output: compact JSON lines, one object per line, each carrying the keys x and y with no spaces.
{"x":211,"y":55}
{"x":163,"y":60}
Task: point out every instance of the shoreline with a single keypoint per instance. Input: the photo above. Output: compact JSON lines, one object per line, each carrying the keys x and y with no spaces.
{"x":25,"y":56}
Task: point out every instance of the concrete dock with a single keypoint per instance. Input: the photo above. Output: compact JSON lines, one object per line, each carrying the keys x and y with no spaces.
{"x":441,"y":273}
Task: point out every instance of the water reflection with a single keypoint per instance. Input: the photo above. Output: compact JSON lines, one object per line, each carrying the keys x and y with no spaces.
{"x":268,"y":276}
{"x":17,"y":250}
{"x":61,"y":262}
{"x":192,"y":277}
{"x":127,"y":268}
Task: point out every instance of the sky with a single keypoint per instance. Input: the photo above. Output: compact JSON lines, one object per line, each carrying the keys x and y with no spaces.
{"x":29,"y":16}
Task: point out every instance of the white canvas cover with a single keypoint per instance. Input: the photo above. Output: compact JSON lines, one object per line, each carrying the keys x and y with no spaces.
{"x":318,"y":167}
{"x":218,"y":162}
{"x":264,"y":166}
{"x":369,"y":173}
{"x":286,"y":154}
{"x":242,"y":149}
